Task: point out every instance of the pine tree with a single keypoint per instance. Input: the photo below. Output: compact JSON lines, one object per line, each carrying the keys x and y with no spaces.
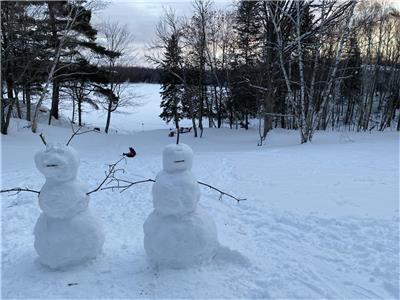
{"x":171,"y":86}
{"x":248,"y":29}
{"x":84,"y":38}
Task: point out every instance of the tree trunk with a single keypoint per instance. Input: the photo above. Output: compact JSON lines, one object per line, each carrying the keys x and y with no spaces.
{"x":55,"y":100}
{"x":28,"y":101}
{"x":80,"y":114}
{"x":5,"y":120}
{"x":108,"y":116}
{"x":19,"y":114}
{"x":398,"y":123}
{"x":53,"y":67}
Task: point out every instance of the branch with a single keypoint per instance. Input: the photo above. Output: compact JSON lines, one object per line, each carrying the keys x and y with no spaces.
{"x":78,"y":133}
{"x":221,"y":192}
{"x":125,"y":187}
{"x":42,"y":138}
{"x":19,"y":190}
{"x":110,"y":174}
{"x":128,"y":184}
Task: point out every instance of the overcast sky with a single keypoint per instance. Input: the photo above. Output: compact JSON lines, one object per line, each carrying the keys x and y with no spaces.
{"x":142,"y":16}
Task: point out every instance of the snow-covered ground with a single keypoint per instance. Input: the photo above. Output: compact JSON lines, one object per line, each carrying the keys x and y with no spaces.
{"x":321,"y":220}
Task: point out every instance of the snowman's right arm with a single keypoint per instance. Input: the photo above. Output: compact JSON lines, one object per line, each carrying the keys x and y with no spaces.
{"x":18,"y":190}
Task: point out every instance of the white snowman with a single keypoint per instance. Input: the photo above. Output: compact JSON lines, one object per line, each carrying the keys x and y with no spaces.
{"x":178,"y":233}
{"x":66,"y":233}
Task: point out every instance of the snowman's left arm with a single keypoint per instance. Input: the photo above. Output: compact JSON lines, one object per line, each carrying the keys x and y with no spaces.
{"x":126,"y":184}
{"x":19,"y":190}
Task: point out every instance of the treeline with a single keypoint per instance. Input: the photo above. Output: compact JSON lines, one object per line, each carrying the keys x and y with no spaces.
{"x":51,"y":48}
{"x":138,"y":74}
{"x":305,"y":65}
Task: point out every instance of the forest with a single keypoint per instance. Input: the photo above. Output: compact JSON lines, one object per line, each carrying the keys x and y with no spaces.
{"x":301,"y":65}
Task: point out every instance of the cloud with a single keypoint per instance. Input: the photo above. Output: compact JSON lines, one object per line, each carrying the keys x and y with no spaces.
{"x":142,"y":16}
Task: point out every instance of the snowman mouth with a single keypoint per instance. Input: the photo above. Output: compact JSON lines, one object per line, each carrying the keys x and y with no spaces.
{"x":51,"y":166}
{"x":179,"y":161}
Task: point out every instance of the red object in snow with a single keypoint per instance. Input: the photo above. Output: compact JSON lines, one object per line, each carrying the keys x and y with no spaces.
{"x":131,"y":153}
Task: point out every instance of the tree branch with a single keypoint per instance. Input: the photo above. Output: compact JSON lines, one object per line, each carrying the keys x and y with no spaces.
{"x":110,"y":174}
{"x":19,"y":190}
{"x":221,"y":192}
{"x":42,"y":138}
{"x":76,"y":132}
{"x":129,"y":184}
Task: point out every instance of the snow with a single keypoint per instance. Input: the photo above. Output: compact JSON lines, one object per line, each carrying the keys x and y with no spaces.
{"x":62,"y":243}
{"x":66,"y":233}
{"x":180,"y":241}
{"x":320,"y":220}
{"x":176,"y":191}
{"x":142,"y":115}
{"x":178,"y":234}
{"x":62,"y":195}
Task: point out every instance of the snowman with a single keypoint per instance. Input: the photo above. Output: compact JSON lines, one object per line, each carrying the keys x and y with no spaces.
{"x":66,"y":233}
{"x":178,"y":233}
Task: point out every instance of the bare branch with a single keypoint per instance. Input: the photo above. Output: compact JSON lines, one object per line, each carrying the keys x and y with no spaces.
{"x":125,"y":187}
{"x":221,"y":192}
{"x":128,"y":184}
{"x":42,"y":138}
{"x":76,"y":132}
{"x":109,"y":174}
{"x":19,"y":190}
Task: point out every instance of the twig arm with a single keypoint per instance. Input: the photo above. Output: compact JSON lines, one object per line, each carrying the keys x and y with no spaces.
{"x":109,"y":175}
{"x":19,"y":190}
{"x":125,"y":187}
{"x":221,"y":192}
{"x":127,"y":184}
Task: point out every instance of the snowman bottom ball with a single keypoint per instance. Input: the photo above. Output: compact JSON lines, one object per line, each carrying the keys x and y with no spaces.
{"x":180,"y":241}
{"x":61,"y":243}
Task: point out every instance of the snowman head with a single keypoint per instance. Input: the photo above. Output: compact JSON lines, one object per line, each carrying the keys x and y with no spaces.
{"x":177,"y":157}
{"x":58,"y":162}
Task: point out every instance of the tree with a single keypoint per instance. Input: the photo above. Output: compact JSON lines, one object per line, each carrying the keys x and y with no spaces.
{"x":248,"y":32}
{"x":81,"y":39}
{"x":196,"y":38}
{"x":171,"y":86}
{"x":22,"y":55}
{"x":116,"y":39}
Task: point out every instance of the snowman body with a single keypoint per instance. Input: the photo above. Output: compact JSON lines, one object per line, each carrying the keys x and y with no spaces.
{"x":66,"y":232}
{"x":178,"y":233}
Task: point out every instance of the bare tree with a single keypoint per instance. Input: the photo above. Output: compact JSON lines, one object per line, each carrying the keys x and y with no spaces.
{"x":116,"y":38}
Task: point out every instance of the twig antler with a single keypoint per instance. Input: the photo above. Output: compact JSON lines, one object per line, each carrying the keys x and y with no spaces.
{"x":110,"y":175}
{"x":76,"y":132}
{"x":42,"y":138}
{"x":19,"y":190}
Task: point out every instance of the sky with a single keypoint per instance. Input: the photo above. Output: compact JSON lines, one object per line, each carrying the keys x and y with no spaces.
{"x":141,"y":18}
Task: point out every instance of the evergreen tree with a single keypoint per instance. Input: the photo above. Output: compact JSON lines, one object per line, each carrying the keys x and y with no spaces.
{"x":82,"y":39}
{"x":171,"y":85}
{"x":248,"y":30}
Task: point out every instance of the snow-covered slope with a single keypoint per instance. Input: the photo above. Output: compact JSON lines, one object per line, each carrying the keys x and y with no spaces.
{"x":320,"y":220}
